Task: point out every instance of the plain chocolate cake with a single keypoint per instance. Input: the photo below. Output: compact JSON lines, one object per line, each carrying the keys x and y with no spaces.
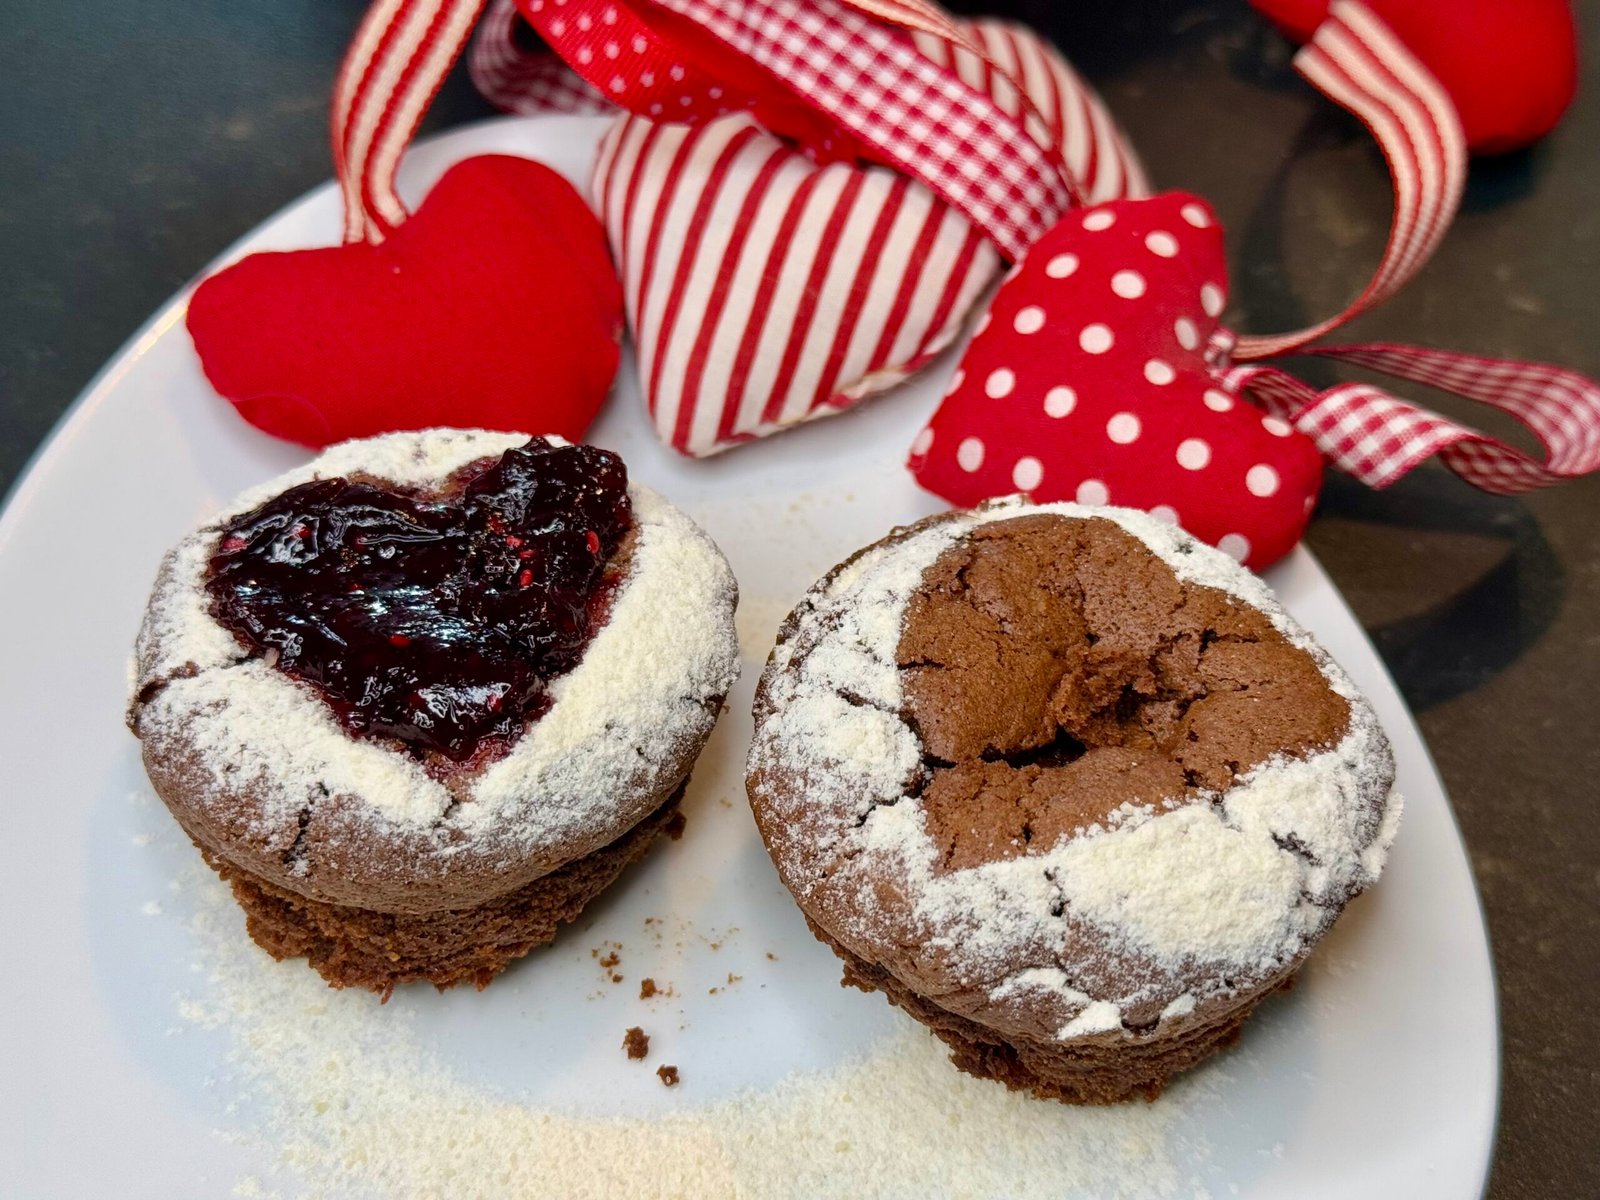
{"x":422,"y":699}
{"x":1066,"y":785}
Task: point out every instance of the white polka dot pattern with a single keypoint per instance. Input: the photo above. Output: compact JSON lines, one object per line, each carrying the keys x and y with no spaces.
{"x":1059,"y":401}
{"x":1162,"y":243}
{"x":1261,"y":480}
{"x":1128,"y":284}
{"x":1029,"y":320}
{"x":1194,"y":454}
{"x":1096,"y":339}
{"x":1123,"y":428}
{"x":1061,"y":266}
{"x":1027,"y":474}
{"x":1092,"y":491}
{"x":1097,"y":360}
{"x":1236,"y":545}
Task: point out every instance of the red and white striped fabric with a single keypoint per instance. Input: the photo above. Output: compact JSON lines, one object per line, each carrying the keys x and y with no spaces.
{"x":981,"y":136}
{"x":765,"y":288}
{"x":400,"y":55}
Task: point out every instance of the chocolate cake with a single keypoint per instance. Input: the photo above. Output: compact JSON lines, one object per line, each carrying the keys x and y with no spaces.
{"x":1067,"y":786}
{"x":422,"y":699}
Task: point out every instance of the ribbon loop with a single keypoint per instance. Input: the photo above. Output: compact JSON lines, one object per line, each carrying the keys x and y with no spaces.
{"x":400,"y":55}
{"x":858,"y":82}
{"x":1378,"y":437}
{"x":1359,"y":64}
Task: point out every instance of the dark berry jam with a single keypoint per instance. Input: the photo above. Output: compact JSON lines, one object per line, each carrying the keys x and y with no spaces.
{"x":437,"y":619}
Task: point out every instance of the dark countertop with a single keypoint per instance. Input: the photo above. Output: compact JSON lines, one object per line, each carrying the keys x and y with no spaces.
{"x":136,"y":141}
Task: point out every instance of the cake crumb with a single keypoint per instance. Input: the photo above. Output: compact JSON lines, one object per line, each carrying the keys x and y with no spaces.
{"x":675,"y":825}
{"x":647,"y":988}
{"x":636,"y":1042}
{"x":669,"y":1075}
{"x":771,"y":957}
{"x":733,"y":979}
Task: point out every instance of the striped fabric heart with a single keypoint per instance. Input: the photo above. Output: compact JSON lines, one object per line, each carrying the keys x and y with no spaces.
{"x":765,"y":289}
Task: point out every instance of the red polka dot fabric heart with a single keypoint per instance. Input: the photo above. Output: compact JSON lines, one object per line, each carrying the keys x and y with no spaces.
{"x":1096,"y":377}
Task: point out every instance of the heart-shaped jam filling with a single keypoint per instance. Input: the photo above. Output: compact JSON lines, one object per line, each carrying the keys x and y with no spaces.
{"x":436,"y":618}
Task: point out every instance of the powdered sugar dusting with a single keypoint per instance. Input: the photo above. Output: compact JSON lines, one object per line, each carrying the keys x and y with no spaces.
{"x":1189,"y":896}
{"x":349,"y":1099}
{"x":646,"y":684}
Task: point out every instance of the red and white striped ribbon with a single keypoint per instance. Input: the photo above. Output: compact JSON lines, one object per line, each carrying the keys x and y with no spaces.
{"x":1359,"y":64}
{"x":400,"y":55}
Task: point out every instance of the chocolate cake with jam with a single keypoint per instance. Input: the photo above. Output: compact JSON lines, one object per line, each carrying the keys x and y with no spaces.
{"x":423,"y":699}
{"x":1067,"y":786}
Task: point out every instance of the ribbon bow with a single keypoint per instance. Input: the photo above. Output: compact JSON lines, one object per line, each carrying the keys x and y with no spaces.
{"x":844,"y":78}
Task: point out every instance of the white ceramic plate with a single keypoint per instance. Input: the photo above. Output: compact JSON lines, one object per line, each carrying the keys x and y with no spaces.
{"x":147,"y":1050}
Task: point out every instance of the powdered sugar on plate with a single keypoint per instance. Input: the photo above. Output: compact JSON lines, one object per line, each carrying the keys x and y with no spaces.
{"x":647,"y":683}
{"x":1177,"y":904}
{"x":348,"y":1099}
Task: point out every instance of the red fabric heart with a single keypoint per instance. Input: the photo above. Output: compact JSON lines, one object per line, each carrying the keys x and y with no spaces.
{"x":494,"y":305}
{"x":1510,"y":66}
{"x":1089,"y":381}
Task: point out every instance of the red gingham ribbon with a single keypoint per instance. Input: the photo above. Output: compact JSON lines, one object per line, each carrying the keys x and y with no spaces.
{"x":869,"y":82}
{"x":857,"y":75}
{"x":1378,"y":437}
{"x":521,"y":82}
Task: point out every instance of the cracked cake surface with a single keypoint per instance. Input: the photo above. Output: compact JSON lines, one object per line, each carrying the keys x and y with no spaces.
{"x":257,"y":766}
{"x":1066,"y":776}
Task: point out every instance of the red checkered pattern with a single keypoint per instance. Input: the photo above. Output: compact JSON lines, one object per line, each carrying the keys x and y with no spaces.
{"x":912,"y":113}
{"x":1378,"y":438}
{"x":1039,"y":88}
{"x":518,"y":82}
